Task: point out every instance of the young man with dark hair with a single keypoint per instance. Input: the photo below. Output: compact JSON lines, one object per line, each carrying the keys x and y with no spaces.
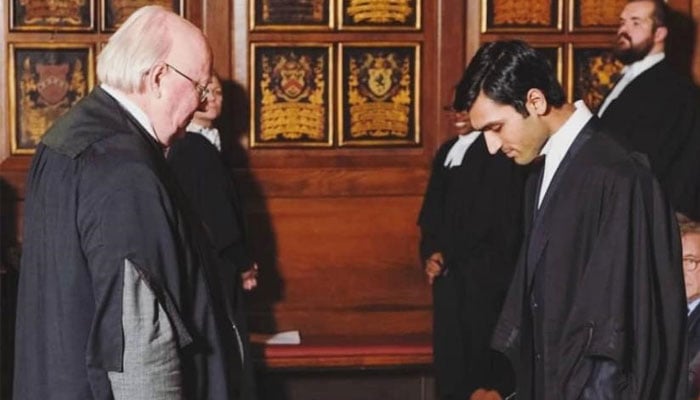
{"x":596,"y":307}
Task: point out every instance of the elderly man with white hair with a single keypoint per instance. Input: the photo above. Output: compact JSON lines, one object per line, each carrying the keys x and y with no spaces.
{"x":118,"y":296}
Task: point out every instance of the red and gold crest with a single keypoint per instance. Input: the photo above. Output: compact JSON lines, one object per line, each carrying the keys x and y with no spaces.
{"x":48,"y":85}
{"x":292,"y":77}
{"x":292,"y":105}
{"x":52,"y":84}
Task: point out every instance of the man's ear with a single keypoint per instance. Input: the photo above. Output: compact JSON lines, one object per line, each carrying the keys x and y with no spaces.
{"x":154,"y":79}
{"x":536,"y":102}
{"x":660,"y":34}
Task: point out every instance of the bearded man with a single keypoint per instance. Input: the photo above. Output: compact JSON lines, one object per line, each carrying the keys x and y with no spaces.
{"x":654,"y":110}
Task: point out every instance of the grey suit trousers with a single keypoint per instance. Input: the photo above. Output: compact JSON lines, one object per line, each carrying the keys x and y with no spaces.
{"x":151,"y":365}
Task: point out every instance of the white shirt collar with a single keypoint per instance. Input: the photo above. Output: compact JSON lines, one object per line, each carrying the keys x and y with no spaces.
{"x":211,"y":134}
{"x":558,"y":144}
{"x":637,"y":67}
{"x":132,"y":108}
{"x":692,"y":305}
{"x":455,"y":155}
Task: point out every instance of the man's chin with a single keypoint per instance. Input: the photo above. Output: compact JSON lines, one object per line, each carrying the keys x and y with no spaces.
{"x":520,"y":159}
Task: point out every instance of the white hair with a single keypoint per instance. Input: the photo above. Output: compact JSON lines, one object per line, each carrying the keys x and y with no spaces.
{"x":142,"y":41}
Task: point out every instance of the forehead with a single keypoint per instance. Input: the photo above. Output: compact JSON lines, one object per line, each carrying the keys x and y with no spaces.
{"x":637,"y":9}
{"x":691,"y":242}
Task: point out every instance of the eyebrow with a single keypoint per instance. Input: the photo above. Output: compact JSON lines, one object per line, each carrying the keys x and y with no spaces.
{"x":487,"y":126}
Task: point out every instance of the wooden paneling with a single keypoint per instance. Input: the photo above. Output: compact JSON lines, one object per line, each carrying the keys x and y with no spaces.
{"x":341,"y":265}
{"x":336,"y":228}
{"x":406,"y":384}
{"x":324,"y":182}
{"x":346,"y":351}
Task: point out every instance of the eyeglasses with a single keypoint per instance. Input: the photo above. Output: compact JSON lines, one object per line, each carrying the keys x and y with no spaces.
{"x":202,"y":90}
{"x":690,"y":263}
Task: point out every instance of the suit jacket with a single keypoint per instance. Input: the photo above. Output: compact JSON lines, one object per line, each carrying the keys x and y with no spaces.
{"x":99,"y":195}
{"x":658,"y":114}
{"x":694,"y":352}
{"x":604,"y":249}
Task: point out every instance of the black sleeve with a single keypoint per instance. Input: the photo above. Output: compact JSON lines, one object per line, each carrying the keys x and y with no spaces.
{"x":209,"y":187}
{"x":431,"y":213}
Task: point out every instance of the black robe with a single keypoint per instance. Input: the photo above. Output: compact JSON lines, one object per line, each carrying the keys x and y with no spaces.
{"x":99,"y":192}
{"x":472,"y":214}
{"x":658,"y":114}
{"x":602,"y":258}
{"x":208,"y":184}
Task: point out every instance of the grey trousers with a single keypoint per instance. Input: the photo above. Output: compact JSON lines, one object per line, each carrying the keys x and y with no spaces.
{"x":151,"y":366}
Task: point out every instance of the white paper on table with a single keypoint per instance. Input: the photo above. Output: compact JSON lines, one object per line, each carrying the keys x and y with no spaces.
{"x":286,"y":337}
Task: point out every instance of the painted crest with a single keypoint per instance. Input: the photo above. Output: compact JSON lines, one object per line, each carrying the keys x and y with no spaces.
{"x":292,"y":77}
{"x":379,"y":76}
{"x":52,"y":84}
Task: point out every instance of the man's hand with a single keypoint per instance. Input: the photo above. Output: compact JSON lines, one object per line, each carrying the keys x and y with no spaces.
{"x":434,"y":266}
{"x":249,"y":278}
{"x":483,"y":394}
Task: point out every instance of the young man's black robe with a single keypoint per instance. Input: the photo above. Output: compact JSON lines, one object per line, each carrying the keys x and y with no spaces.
{"x":472,"y":214}
{"x":99,"y":193}
{"x":598,"y":290}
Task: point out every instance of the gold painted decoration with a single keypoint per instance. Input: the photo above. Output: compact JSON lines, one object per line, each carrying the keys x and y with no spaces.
{"x":45,"y":83}
{"x":522,"y":12}
{"x":51,"y":15}
{"x":521,"y":15}
{"x":290,"y":14}
{"x":115,"y":12}
{"x":594,"y":72}
{"x":291,"y":96}
{"x":380,"y":14}
{"x":379,"y":100}
{"x":596,"y":15}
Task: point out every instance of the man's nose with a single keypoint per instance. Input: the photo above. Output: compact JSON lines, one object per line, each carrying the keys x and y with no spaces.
{"x":622,"y":28}
{"x":493,"y":142}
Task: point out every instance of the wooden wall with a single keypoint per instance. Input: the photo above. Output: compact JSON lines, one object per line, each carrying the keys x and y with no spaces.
{"x":336,"y":228}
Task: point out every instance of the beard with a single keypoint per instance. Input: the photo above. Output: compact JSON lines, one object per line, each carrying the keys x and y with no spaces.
{"x":634,"y":52}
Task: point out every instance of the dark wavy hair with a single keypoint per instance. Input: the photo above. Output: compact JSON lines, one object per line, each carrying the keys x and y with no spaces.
{"x":505,"y":71}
